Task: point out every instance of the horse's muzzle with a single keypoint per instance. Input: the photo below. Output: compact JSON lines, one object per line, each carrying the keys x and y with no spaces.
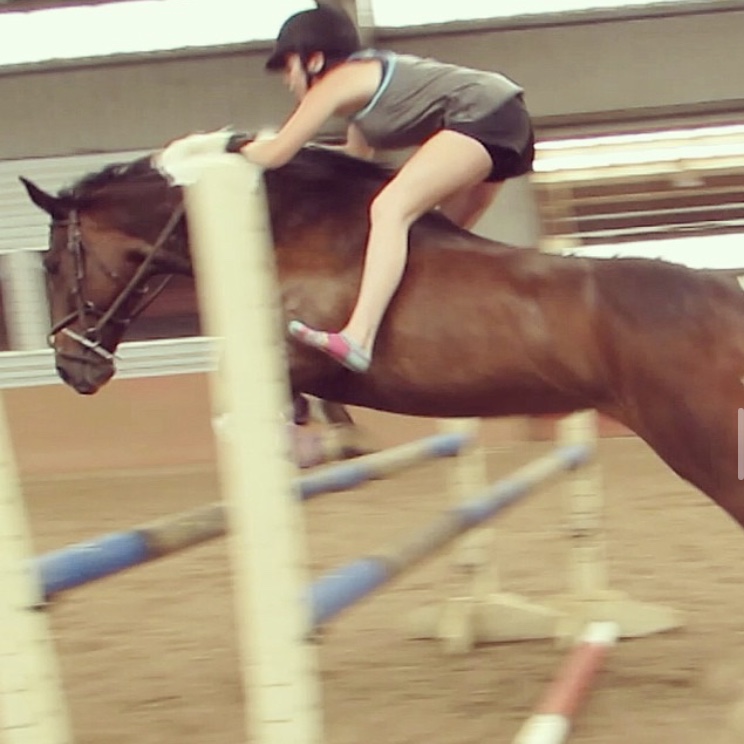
{"x":85,"y":376}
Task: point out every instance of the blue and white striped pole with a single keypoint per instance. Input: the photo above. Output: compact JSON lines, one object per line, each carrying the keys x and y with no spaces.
{"x":83,"y":563}
{"x":344,"y":587}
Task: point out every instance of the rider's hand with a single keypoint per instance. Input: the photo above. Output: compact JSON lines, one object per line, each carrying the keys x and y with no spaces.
{"x":181,"y":159}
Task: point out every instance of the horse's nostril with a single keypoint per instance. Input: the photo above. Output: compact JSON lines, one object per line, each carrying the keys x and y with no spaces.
{"x":62,"y":372}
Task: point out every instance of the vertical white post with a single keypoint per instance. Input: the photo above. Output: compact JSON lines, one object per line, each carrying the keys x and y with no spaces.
{"x":239,"y":302}
{"x":32,"y":709}
{"x":473,"y":555}
{"x":585,"y":502}
{"x":25,"y":301}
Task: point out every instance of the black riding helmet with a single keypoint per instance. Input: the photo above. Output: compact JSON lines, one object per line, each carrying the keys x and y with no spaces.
{"x":319,"y":30}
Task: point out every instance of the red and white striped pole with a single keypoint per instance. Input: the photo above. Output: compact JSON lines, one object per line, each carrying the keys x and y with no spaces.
{"x":553,"y":718}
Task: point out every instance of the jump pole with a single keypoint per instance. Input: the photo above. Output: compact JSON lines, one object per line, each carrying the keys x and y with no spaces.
{"x":82,"y":563}
{"x":553,"y":719}
{"x":238,"y":298}
{"x":344,"y":587}
{"x":336,"y":590}
{"x":487,"y":614}
{"x":32,"y":706}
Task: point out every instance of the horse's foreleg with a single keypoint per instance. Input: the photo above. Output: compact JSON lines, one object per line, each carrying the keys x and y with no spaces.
{"x":306,"y":408}
{"x":343,"y":437}
{"x":300,"y":409}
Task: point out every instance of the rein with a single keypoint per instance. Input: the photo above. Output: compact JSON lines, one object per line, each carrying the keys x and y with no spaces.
{"x":91,"y":337}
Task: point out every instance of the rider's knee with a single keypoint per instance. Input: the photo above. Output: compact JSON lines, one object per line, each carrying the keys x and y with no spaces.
{"x":389,"y":207}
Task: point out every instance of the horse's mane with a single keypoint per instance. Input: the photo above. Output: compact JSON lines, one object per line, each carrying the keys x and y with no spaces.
{"x":137,"y":171}
{"x":321,"y":174}
{"x":311,"y":164}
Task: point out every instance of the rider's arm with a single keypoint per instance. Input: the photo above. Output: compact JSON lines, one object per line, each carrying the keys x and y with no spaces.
{"x":344,"y":89}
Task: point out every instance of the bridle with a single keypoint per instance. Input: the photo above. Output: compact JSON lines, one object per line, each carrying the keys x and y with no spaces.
{"x":115,"y":314}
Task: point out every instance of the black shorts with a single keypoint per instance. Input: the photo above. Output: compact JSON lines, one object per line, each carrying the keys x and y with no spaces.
{"x":507,"y":135}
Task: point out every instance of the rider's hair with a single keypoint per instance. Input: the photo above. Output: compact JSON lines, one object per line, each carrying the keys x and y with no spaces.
{"x":321,"y":29}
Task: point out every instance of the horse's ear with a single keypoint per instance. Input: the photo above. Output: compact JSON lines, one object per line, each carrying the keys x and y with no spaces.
{"x":56,"y":207}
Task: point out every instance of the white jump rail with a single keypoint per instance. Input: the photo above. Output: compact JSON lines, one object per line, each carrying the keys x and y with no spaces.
{"x":32,"y":706}
{"x":228,"y":221}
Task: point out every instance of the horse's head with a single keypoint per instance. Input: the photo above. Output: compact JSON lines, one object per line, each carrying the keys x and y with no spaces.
{"x":110,"y":234}
{"x":115,"y":229}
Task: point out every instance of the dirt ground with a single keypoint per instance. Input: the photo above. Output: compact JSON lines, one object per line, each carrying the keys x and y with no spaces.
{"x":150,"y":655}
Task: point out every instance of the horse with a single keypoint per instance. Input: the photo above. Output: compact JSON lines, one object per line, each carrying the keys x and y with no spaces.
{"x":476,"y":328}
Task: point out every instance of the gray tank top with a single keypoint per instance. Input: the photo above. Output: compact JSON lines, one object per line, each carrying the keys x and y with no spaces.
{"x":419,"y":96}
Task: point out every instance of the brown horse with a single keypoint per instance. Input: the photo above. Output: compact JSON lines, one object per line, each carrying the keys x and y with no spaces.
{"x":476,"y":328}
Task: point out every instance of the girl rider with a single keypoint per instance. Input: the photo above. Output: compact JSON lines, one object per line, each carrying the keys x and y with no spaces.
{"x":471,"y":127}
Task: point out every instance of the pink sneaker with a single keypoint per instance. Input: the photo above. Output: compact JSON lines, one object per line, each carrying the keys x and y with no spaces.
{"x":336,"y":345}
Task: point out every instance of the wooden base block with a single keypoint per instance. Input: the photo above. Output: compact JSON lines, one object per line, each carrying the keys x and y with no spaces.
{"x":462,"y":622}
